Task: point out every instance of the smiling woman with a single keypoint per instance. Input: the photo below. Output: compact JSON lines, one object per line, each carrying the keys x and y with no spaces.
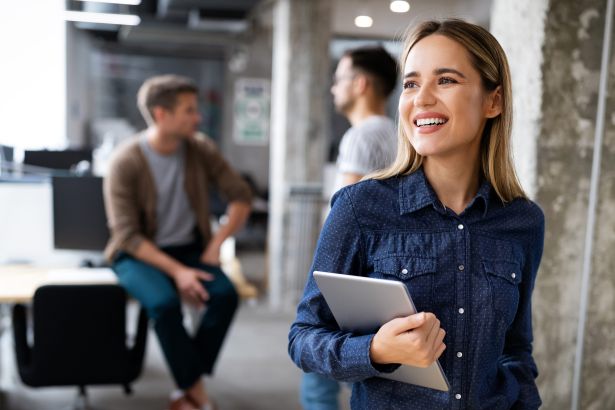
{"x":451,"y":197}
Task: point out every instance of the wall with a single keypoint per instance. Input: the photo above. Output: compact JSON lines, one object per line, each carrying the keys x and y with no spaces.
{"x":555,"y":51}
{"x":249,"y":58}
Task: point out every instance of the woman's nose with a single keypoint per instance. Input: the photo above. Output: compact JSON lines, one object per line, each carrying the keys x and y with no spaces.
{"x":424,"y":97}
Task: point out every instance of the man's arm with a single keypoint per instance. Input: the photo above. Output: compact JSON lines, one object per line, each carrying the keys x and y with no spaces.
{"x":237,"y":213}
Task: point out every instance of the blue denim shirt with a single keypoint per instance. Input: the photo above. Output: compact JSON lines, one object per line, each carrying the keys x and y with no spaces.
{"x":475,"y":271}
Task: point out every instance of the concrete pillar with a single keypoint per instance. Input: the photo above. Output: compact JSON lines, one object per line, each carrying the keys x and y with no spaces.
{"x":555,"y":50}
{"x":301,"y":34}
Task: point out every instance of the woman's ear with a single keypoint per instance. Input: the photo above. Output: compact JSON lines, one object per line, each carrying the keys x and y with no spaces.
{"x":493,"y":103}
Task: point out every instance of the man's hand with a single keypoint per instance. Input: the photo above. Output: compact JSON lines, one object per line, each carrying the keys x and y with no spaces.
{"x":189,"y":286}
{"x":211,"y":254}
{"x":415,"y":340}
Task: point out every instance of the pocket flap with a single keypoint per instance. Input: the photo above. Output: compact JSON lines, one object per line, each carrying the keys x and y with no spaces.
{"x":510,"y":271}
{"x":405,"y":266}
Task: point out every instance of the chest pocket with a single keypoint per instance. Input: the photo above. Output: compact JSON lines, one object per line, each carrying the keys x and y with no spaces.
{"x":416,"y":273}
{"x":504,"y":279}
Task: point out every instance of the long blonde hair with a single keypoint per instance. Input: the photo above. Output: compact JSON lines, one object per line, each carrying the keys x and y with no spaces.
{"x":488,"y":58}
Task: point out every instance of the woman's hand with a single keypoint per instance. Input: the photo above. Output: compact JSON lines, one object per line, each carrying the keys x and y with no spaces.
{"x":415,"y":340}
{"x":188,"y":282}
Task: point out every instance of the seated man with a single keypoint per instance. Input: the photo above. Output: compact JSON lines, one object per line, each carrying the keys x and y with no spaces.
{"x":161,"y":246}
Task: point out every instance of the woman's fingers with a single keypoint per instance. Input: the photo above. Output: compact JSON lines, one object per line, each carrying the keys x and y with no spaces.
{"x":405,"y":324}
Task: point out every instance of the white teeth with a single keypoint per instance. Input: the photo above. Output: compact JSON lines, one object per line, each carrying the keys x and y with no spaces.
{"x":430,"y":121}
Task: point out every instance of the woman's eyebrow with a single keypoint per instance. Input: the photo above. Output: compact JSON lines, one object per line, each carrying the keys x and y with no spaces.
{"x":437,"y":71}
{"x":446,"y":70}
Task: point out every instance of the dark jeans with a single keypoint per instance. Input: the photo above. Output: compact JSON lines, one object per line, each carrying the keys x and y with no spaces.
{"x":188,"y":358}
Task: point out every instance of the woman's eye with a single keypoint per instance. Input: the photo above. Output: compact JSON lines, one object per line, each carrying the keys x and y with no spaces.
{"x":447,"y":80}
{"x":410,"y":84}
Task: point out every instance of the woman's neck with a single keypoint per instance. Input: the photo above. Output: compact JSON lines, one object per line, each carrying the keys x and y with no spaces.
{"x":455,"y":184}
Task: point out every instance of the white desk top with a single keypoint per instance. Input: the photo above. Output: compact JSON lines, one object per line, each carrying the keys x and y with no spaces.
{"x":18,"y":283}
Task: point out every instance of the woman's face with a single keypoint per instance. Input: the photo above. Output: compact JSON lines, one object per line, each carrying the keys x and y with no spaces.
{"x":443,"y":107}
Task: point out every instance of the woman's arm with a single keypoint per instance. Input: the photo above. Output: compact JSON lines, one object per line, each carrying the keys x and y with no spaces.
{"x":316,"y":344}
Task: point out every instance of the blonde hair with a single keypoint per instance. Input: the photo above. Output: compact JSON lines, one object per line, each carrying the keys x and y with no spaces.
{"x":489,"y":59}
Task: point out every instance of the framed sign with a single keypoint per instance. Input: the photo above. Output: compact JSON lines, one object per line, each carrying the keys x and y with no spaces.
{"x":251,"y":109}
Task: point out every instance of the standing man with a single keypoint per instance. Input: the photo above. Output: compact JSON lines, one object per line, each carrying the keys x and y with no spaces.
{"x":363,"y":81}
{"x":161,"y":247}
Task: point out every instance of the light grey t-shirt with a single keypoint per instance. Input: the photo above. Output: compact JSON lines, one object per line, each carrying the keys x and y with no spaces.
{"x":368,"y":146}
{"x":175,"y":218}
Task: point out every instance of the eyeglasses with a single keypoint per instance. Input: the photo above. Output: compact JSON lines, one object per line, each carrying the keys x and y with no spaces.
{"x":336,"y":80}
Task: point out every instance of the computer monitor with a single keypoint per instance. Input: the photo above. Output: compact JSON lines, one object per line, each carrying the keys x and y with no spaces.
{"x":63,"y":160}
{"x":79,"y":220}
{"x":6,"y":153}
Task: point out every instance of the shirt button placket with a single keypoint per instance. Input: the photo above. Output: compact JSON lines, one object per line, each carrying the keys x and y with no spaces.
{"x":461,"y":284}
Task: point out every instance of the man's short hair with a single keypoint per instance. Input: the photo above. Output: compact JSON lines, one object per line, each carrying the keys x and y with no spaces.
{"x":162,"y":91}
{"x":378,"y":64}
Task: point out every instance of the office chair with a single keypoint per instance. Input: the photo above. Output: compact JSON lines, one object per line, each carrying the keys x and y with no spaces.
{"x":79,"y":339}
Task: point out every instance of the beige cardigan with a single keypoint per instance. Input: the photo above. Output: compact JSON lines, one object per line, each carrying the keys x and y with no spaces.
{"x":130,"y":192}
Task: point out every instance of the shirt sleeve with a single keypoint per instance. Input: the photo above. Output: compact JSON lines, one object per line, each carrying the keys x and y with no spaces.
{"x":223,"y":177}
{"x":517,"y":357}
{"x":121,"y":204}
{"x":358,"y":153}
{"x":316,"y":344}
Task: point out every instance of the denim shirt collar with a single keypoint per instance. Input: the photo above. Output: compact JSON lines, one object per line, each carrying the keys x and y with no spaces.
{"x":415,"y":193}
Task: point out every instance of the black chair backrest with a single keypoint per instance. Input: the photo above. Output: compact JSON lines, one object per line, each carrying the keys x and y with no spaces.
{"x":80,"y":337}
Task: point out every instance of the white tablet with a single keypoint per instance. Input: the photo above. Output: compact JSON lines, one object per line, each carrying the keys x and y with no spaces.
{"x":361,"y":305}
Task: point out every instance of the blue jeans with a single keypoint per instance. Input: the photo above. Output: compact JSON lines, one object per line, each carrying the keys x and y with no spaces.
{"x":188,"y":358}
{"x":318,"y":392}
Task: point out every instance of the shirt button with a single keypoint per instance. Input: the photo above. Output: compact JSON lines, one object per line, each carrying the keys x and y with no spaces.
{"x":404,"y":271}
{"x":459,"y":354}
{"x":514,"y":275}
{"x":461,"y":267}
{"x":461,"y":311}
{"x":458,"y":396}
{"x":460,"y":227}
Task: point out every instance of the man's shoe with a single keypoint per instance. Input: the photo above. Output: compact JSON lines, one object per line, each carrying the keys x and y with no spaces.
{"x":180,"y":402}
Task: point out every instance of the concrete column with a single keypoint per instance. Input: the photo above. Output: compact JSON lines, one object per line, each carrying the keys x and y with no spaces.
{"x":301,"y":34}
{"x":555,"y":50}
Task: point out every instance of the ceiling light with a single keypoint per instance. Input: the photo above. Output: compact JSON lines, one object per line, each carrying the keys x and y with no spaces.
{"x":399,"y":6}
{"x":363,"y":21}
{"x":102,"y":18}
{"x":126,"y":2}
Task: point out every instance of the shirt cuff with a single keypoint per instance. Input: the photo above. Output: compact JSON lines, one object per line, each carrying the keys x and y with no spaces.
{"x":357,"y":361}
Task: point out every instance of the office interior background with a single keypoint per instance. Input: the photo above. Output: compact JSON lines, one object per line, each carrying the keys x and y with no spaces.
{"x":264,"y":69}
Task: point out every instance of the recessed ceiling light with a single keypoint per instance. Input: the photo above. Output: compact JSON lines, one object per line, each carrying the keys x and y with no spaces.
{"x":126,"y":2}
{"x":102,"y":18}
{"x":399,"y":6}
{"x":363,"y":21}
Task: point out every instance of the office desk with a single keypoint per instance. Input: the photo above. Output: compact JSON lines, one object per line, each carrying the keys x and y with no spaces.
{"x":18,"y":283}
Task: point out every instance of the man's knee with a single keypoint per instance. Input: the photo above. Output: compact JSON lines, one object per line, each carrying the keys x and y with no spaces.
{"x":224,"y":293}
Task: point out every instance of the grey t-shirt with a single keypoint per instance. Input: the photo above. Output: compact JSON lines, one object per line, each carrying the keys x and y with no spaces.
{"x":369,"y":146}
{"x":175,"y":218}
